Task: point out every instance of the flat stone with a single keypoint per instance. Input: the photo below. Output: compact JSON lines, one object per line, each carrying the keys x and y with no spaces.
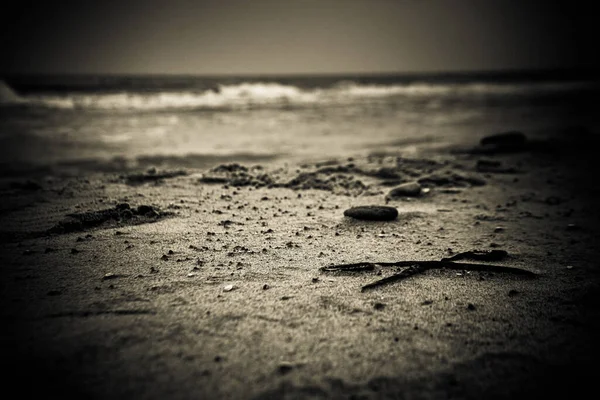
{"x":409,"y":189}
{"x":508,"y":139}
{"x":372,"y":213}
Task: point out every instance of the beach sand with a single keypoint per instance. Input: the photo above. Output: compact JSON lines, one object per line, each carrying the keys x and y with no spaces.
{"x":213,"y":288}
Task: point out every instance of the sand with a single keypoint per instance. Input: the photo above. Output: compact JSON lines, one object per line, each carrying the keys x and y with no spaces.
{"x":206,"y":283}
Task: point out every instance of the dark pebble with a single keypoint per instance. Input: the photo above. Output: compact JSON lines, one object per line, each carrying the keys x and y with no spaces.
{"x":144,"y":210}
{"x":126,"y":214}
{"x":512,"y":138}
{"x":285,"y":368}
{"x":123,"y":206}
{"x":372,"y":213}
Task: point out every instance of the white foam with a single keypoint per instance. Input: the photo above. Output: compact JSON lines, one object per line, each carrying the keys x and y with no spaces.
{"x":267,"y":94}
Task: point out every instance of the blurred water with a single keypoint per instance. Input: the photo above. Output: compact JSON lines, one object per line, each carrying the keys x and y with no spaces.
{"x":45,"y":120}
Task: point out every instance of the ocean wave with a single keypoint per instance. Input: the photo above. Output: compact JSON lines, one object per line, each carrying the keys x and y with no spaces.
{"x":252,"y":95}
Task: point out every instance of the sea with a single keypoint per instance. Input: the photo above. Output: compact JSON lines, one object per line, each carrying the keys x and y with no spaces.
{"x":104,"y":122}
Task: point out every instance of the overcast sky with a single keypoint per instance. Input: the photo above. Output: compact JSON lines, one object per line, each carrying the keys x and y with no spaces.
{"x":294,"y":36}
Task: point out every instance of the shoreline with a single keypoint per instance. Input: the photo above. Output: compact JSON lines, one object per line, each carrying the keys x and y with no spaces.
{"x":220,"y":294}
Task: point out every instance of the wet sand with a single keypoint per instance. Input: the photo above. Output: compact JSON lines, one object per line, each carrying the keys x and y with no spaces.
{"x":189,"y":283}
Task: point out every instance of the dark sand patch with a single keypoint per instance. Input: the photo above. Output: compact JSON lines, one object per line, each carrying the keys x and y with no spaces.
{"x":122,"y":214}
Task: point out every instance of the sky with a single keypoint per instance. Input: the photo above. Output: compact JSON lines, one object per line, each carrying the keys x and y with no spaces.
{"x":293,"y":36}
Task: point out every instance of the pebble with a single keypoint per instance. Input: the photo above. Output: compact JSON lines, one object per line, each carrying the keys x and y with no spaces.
{"x":285,"y":367}
{"x":372,"y":213}
{"x":511,"y":138}
{"x":228,"y":288}
{"x":410,"y":189}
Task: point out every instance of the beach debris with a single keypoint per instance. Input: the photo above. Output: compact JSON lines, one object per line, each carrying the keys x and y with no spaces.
{"x":285,"y":367}
{"x":109,"y":276}
{"x":229,"y":288}
{"x":372,"y":213}
{"x":479,"y":255}
{"x":236,"y":175}
{"x":121,"y":214}
{"x":359,"y":267}
{"x":411,"y":268}
{"x":408,"y":189}
{"x":325,"y":179}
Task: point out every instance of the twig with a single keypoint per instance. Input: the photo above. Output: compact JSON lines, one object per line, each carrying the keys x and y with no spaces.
{"x":405,"y":273}
{"x":416,"y":267}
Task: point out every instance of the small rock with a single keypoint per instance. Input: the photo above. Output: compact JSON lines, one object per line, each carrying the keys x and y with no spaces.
{"x":123,"y":206}
{"x":499,"y":229}
{"x":512,"y":293}
{"x":266,"y":287}
{"x":126,"y":214}
{"x":409,"y":189}
{"x":165,"y":257}
{"x":228,"y":288}
{"x":471,"y":307}
{"x":75,"y":251}
{"x":145,"y":210}
{"x":372,"y":213}
{"x":505,"y":139}
{"x":109,"y":275}
{"x":379,"y":306}
{"x":569,"y":267}
{"x":285,"y":367}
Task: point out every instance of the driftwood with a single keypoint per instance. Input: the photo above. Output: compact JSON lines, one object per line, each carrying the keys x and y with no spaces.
{"x":417,"y":267}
